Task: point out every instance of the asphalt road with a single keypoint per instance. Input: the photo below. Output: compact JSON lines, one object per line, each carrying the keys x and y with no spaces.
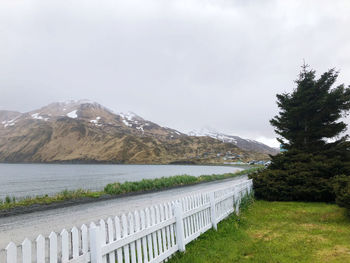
{"x":17,"y":228}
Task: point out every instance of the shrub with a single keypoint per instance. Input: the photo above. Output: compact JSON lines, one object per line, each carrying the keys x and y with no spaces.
{"x":341,"y":186}
{"x":299,"y":177}
{"x":7,"y":199}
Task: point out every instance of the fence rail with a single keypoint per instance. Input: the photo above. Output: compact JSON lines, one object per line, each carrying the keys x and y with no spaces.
{"x":151,"y":235}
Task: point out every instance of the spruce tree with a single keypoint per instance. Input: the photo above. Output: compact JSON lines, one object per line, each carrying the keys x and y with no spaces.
{"x":310,"y":114}
{"x":309,"y":126}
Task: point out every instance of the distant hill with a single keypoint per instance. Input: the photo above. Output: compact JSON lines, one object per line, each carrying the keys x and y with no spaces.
{"x":87,"y":132}
{"x":244,"y":144}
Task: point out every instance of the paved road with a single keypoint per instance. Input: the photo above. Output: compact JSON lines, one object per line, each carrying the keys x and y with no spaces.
{"x":16,"y":228}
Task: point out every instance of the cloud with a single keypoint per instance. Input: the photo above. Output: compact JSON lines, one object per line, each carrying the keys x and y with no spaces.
{"x":185,"y":64}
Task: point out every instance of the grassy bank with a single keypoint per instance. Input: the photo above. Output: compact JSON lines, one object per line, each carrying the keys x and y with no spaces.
{"x":167,"y":182}
{"x":116,"y":189}
{"x":276,"y":232}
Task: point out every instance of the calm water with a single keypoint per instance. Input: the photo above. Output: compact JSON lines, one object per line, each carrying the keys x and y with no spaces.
{"x":22,"y":180}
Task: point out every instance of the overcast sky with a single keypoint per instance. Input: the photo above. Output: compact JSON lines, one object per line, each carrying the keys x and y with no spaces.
{"x":184,"y":64}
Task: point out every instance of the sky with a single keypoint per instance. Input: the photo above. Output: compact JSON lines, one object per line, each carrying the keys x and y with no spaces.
{"x":184,"y":64}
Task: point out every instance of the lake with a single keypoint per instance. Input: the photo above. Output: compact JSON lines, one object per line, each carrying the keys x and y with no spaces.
{"x":21,"y":180}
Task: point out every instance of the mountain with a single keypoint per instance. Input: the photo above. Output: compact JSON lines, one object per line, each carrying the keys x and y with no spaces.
{"x":244,"y":144}
{"x":7,"y":116}
{"x":87,"y":132}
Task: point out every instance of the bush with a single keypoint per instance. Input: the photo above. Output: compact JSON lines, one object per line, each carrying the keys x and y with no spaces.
{"x":296,"y":176}
{"x":341,"y":186}
{"x":7,"y":199}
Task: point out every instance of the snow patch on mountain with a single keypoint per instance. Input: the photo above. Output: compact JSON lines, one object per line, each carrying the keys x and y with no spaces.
{"x":9,"y":123}
{"x":141,"y":129}
{"x":245,"y":144}
{"x":37,"y":116}
{"x":131,"y":118}
{"x":128,"y":116}
{"x":72,"y":114}
{"x":213,"y":134}
{"x":95,"y":121}
{"x":127,"y":123}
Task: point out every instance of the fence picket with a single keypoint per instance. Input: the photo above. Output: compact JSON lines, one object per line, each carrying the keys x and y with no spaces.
{"x":172,"y":230}
{"x":95,"y":243}
{"x":149,"y":237}
{"x":189,"y":221}
{"x":118,"y":236}
{"x":75,"y":242}
{"x":132,"y":231}
{"x":184,"y":209}
{"x":154,"y":234}
{"x":103,"y":237}
{"x":200,"y":215}
{"x":213,"y":210}
{"x":11,"y":253}
{"x":65,"y":245}
{"x":194,"y":219}
{"x":40,"y":249}
{"x":53,"y":247}
{"x":138,"y":242}
{"x":27,"y":251}
{"x":84,"y":239}
{"x":189,"y":218}
{"x":159,"y":233}
{"x":110,"y":233}
{"x":166,"y":217}
{"x":162,"y":217}
{"x":180,"y":237}
{"x":144,"y":239}
{"x":125,"y":234}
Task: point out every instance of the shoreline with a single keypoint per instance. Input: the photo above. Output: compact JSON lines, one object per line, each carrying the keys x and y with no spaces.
{"x":20,"y":210}
{"x":156,"y":164}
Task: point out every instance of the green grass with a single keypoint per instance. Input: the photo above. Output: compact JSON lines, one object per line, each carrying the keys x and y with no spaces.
{"x":167,"y":182}
{"x":118,"y":188}
{"x":65,"y":195}
{"x":276,"y":232}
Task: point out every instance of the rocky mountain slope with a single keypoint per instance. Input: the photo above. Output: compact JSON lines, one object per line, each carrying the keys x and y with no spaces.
{"x":245,"y":144}
{"x":87,"y":132}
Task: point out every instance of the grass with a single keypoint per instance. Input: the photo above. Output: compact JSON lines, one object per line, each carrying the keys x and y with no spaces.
{"x":167,"y":182}
{"x":117,"y":189}
{"x":276,"y":232}
{"x":65,"y":195}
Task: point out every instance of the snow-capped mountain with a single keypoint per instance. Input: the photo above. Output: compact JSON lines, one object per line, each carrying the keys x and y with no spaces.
{"x":245,"y":144}
{"x":93,"y":113}
{"x":83,"y":131}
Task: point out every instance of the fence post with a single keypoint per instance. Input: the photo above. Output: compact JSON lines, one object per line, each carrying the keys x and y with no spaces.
{"x":95,"y":244}
{"x":213,"y":211}
{"x":238,"y":200}
{"x":180,"y":237}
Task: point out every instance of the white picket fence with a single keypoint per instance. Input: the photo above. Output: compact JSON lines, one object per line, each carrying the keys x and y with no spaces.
{"x":147,"y":236}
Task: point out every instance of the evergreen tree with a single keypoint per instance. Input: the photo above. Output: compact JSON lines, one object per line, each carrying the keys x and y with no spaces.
{"x":310,"y":114}
{"x":309,"y":118}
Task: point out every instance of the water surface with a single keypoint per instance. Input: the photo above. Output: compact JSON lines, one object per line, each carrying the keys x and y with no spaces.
{"x":21,"y":180}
